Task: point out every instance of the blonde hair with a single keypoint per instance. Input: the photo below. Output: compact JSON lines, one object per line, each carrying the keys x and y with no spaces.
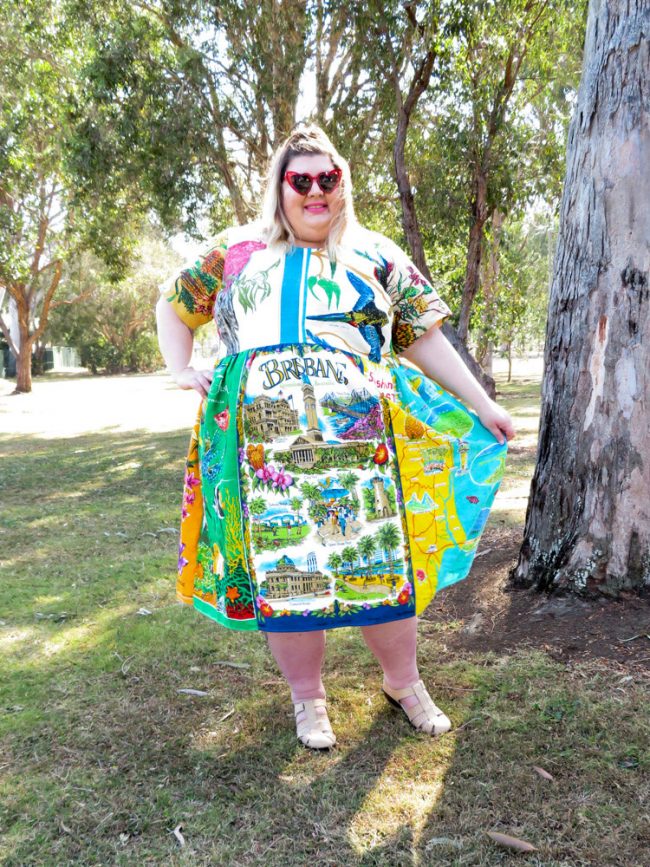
{"x":309,"y":139}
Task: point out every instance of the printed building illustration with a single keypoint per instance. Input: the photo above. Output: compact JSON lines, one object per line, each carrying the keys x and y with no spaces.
{"x":303,"y":452}
{"x":285,"y":580}
{"x":313,"y":429}
{"x":271,"y":418}
{"x":382,"y":506}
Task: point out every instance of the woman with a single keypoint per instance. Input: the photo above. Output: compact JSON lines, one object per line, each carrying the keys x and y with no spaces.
{"x":308,"y":416}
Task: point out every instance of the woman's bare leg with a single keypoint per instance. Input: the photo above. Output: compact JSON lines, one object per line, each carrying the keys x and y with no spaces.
{"x":299,"y":656}
{"x":394,"y":645}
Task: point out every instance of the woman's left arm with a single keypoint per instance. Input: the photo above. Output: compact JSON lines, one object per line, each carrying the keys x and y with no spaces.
{"x":438,"y":359}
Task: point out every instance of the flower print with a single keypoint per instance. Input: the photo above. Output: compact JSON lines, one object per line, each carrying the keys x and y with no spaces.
{"x":189,"y":497}
{"x":281,"y":479}
{"x":255,"y":455}
{"x":366,"y":605}
{"x":266,"y":609}
{"x":306,"y":613}
{"x":416,"y":278}
{"x":184,"y":513}
{"x":237,"y":258}
{"x":191,"y":480}
{"x":403,"y":597}
{"x":182,"y":562}
{"x":387,"y":602}
{"x":213,"y":263}
{"x":420,"y":304}
{"x":232,"y":593}
{"x":222,"y":419}
{"x":265,"y":473}
{"x":245,"y":510}
{"x":242,"y":454}
{"x":381,"y":454}
{"x":205,"y":308}
{"x":421,"y":575}
{"x":285,"y":613}
{"x":403,"y":335}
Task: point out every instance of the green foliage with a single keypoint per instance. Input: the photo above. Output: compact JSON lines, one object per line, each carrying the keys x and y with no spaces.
{"x":512,"y":315}
{"x":113,"y":324}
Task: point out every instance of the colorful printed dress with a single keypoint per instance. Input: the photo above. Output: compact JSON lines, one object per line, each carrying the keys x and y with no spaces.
{"x":327,"y":484}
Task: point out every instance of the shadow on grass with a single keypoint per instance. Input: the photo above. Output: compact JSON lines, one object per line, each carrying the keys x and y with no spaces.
{"x":123,"y":759}
{"x":104,"y":757}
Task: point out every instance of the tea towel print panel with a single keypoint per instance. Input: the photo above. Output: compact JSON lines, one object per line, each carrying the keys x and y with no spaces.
{"x":335,"y":492}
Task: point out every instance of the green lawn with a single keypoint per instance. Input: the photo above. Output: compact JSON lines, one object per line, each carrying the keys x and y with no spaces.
{"x":266,"y":539}
{"x":102,"y":756}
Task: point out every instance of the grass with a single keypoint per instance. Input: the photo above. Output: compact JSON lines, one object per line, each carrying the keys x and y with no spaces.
{"x":102,"y":756}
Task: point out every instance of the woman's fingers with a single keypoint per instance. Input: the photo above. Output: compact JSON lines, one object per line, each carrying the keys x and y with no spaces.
{"x":498,"y":422}
{"x":199,"y":380}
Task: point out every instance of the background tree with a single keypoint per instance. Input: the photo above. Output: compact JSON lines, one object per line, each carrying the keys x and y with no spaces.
{"x":41,"y":222}
{"x":479,"y":117}
{"x":588,"y":523}
{"x":112,"y":323}
{"x":189,"y":100}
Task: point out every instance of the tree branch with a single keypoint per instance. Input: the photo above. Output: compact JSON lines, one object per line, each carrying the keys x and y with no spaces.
{"x":7,"y":335}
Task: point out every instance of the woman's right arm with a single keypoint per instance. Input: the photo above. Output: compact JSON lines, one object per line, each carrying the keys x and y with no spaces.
{"x":176,"y":340}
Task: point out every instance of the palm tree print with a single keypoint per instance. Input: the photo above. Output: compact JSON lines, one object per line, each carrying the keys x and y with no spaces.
{"x":334,"y":562}
{"x":389,"y":539}
{"x":349,"y":555}
{"x":367,"y":546}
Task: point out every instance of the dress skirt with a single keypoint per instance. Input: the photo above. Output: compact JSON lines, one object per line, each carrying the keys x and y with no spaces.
{"x":323,"y":489}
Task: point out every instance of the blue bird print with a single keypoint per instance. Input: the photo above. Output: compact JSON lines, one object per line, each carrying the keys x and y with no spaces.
{"x":318,"y":341}
{"x":365,"y":316}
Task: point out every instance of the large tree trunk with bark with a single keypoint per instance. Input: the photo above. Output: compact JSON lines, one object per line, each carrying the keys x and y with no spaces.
{"x":588,"y":521}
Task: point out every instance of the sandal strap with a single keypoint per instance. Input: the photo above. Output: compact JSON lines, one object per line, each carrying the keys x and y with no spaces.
{"x":425,"y":715}
{"x":313,"y":723}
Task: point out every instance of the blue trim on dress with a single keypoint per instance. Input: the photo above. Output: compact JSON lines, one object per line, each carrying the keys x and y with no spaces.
{"x":290,"y":296}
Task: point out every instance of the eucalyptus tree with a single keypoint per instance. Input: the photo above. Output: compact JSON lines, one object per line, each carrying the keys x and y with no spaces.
{"x":588,"y":523}
{"x":190,"y":99}
{"x":446,"y":111}
{"x":479,"y":113}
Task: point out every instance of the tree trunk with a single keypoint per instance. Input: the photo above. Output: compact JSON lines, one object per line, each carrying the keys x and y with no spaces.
{"x":474,"y":252}
{"x":588,"y":521}
{"x":26,"y":340}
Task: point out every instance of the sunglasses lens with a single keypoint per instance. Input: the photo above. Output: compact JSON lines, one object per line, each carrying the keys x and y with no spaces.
{"x":328,"y":181}
{"x":301,"y":183}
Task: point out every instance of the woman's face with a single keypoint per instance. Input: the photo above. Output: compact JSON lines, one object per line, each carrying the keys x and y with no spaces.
{"x":310,"y":215}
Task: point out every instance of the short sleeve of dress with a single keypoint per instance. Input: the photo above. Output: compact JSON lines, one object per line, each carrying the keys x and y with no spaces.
{"x":193,"y":290}
{"x":416,"y":304}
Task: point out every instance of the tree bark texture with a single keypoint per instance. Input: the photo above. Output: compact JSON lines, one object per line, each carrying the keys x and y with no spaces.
{"x":588,"y":520}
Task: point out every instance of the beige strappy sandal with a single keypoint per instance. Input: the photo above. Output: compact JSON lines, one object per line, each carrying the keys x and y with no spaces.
{"x":424,"y":716}
{"x":314,"y":731}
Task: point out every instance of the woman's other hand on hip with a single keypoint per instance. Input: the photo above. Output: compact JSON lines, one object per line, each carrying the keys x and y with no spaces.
{"x":199,"y":380}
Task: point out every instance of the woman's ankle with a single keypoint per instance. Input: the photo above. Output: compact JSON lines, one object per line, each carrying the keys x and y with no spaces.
{"x":306,"y":693}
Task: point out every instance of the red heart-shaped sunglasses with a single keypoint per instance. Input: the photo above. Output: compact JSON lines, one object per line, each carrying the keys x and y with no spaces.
{"x":302,"y":182}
